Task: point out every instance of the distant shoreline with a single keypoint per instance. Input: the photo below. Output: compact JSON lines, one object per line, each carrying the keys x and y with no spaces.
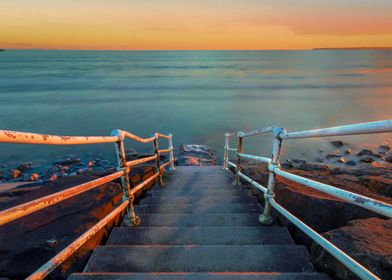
{"x":353,"y":48}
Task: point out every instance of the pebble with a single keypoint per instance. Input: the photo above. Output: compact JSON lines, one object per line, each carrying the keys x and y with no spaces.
{"x":347,"y":151}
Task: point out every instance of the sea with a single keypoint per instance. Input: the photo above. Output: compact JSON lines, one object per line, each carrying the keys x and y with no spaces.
{"x":195,"y":95}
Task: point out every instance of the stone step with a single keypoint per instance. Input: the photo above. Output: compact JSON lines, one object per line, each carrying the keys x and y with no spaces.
{"x":197,"y":208}
{"x":198,"y":192}
{"x":262,"y":235}
{"x":200,"y":199}
{"x":201,"y":276}
{"x":196,"y":220}
{"x":204,"y":258}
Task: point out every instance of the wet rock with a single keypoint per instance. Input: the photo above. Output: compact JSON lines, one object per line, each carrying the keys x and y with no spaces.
{"x":191,"y":154}
{"x":383,"y":149}
{"x":342,"y":160}
{"x":329,"y":156}
{"x":338,"y":143}
{"x":388,"y":159}
{"x":368,"y":241}
{"x":366,"y":152}
{"x":16,"y":173}
{"x":347,"y":151}
{"x":68,"y":161}
{"x":380,"y":185}
{"x":25,"y":166}
{"x":367,"y":159}
{"x":130,"y":154}
{"x":351,"y":163}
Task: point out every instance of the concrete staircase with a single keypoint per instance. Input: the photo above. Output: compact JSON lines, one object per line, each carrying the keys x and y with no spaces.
{"x":199,"y":226}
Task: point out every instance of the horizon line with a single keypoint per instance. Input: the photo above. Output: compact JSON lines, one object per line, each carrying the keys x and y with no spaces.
{"x":139,"y":50}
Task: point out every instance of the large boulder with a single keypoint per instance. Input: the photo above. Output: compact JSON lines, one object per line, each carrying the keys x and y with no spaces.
{"x":200,"y":155}
{"x":368,"y":241}
{"x":29,"y":242}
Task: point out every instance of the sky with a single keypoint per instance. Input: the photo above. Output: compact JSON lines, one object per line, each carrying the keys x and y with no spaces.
{"x":195,"y":24}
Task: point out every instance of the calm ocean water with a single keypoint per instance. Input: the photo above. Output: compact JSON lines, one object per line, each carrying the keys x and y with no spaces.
{"x":196,"y":95}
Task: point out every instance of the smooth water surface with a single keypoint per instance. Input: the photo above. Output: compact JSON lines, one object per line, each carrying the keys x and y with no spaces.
{"x":196,"y":95}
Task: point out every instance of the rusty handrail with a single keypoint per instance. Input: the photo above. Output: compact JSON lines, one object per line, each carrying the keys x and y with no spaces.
{"x":17,"y":137}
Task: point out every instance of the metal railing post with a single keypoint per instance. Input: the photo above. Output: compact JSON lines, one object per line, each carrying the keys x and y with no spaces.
{"x":226,"y":151}
{"x":237,"y":180}
{"x":266,"y":218}
{"x":158,"y":160}
{"x":131,"y":219}
{"x":172,"y":168}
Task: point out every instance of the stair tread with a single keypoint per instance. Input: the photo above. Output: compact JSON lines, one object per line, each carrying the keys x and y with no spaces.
{"x":199,"y":258}
{"x":193,"y":199}
{"x":199,"y":235}
{"x":189,"y":220}
{"x":201,"y":276}
{"x":189,"y":208}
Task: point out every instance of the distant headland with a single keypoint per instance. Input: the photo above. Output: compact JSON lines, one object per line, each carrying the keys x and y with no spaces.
{"x":1,"y":50}
{"x":353,"y":48}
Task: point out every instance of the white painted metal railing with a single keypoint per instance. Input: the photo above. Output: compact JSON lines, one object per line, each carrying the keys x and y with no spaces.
{"x":123,"y":170}
{"x":280,"y":134}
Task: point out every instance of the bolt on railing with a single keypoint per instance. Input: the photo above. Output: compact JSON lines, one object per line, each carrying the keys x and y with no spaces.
{"x":279,"y":135}
{"x":123,"y":172}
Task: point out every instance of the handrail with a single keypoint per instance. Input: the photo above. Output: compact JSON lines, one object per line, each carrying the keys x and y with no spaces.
{"x":118,"y":136}
{"x":257,"y":131}
{"x":16,"y":137}
{"x":353,"y":129}
{"x":279,"y":135}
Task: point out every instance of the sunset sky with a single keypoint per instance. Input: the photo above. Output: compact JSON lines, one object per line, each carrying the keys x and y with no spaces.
{"x":195,"y":24}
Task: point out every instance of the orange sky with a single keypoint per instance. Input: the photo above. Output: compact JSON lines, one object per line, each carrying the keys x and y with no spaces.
{"x":196,"y":24}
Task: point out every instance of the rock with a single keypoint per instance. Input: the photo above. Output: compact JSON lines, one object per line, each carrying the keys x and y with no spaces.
{"x":34,"y":177}
{"x":378,"y":184}
{"x":130,"y":154}
{"x":347,"y":151}
{"x":29,"y":242}
{"x":342,"y":160}
{"x":313,"y":167}
{"x":337,"y":143}
{"x":383,"y":149}
{"x":54,"y":177}
{"x":367,"y":159}
{"x":16,"y":173}
{"x":329,"y":156}
{"x":388,"y":159}
{"x":368,"y":241}
{"x":25,"y":166}
{"x":351,"y":163}
{"x":69,"y":161}
{"x":287,"y":165}
{"x":366,"y":152}
{"x":191,"y":154}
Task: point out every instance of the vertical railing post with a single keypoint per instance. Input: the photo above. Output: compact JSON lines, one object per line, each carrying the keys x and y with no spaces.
{"x":226,"y":151}
{"x":131,"y":219}
{"x":266,"y":218}
{"x":237,"y":180}
{"x":158,"y":160}
{"x":172,"y":168}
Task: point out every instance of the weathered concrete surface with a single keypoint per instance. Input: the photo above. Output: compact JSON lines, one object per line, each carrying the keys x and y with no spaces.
{"x":368,"y":241}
